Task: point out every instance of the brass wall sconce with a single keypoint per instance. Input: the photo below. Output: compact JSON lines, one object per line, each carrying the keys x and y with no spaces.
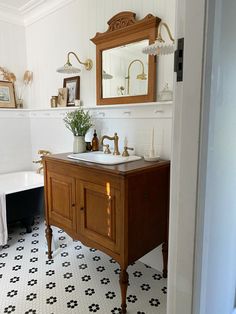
{"x":141,"y":76}
{"x":68,"y":68}
{"x":160,"y":47}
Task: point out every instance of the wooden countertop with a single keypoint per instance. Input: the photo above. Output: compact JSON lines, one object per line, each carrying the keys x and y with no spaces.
{"x":121,"y":169}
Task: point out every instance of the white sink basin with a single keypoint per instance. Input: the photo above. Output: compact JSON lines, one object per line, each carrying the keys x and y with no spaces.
{"x":101,"y":158}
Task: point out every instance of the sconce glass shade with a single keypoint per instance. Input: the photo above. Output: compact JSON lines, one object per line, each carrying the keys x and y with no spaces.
{"x":160,"y":47}
{"x":68,"y":68}
{"x":106,"y":76}
{"x":141,"y":76}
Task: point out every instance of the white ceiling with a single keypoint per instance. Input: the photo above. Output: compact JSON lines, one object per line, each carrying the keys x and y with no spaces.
{"x":15,"y":4}
{"x":25,"y":12}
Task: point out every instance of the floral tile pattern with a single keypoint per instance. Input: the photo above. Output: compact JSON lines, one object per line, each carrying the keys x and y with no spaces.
{"x":78,"y":279}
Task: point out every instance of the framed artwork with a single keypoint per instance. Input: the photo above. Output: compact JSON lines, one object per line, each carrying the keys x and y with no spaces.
{"x":7,"y":95}
{"x":62,"y":97}
{"x":73,"y":86}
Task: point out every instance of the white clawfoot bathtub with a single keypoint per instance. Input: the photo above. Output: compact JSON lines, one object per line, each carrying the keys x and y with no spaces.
{"x":18,"y":190}
{"x":20,"y":181}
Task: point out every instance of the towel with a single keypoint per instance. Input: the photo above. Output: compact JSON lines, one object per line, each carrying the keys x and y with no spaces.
{"x":3,"y":219}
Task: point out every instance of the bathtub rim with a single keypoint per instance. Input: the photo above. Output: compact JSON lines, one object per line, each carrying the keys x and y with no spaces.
{"x":7,"y":188}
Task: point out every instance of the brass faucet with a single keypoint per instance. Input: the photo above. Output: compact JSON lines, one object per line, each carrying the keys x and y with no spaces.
{"x":114,"y":138}
{"x":125,"y":152}
{"x":42,"y":153}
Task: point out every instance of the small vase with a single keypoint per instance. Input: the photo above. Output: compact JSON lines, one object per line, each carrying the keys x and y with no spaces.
{"x":79,"y":145}
{"x":19,"y":103}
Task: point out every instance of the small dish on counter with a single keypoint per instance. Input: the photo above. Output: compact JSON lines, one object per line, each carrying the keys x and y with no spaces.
{"x":153,"y":158}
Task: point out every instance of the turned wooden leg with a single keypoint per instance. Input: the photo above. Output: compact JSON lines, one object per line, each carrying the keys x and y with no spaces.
{"x":165,"y":258}
{"x":124,"y":280}
{"x":48,"y":233}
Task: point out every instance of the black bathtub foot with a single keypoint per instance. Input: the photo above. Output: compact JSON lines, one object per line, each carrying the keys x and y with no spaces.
{"x":28,"y":229}
{"x":27,"y":223}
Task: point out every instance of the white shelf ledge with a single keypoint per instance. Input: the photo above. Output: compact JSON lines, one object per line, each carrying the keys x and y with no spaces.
{"x":159,"y":110}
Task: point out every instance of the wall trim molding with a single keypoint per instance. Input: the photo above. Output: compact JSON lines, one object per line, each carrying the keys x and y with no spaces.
{"x":38,"y":12}
{"x":31,"y":12}
{"x":161,"y":110}
{"x":10,"y":15}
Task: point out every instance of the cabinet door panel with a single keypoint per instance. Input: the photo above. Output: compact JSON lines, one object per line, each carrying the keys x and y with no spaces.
{"x":99,"y":219}
{"x":61,"y":200}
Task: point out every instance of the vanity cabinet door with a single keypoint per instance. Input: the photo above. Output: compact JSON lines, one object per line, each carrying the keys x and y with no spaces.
{"x":61,"y":201}
{"x":99,"y":214}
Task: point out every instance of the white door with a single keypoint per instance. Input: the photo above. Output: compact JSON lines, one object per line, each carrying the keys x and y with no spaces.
{"x":184,"y":168}
{"x":215,"y":273}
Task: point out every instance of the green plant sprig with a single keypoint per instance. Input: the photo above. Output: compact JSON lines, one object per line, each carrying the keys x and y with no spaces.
{"x":78,"y":122}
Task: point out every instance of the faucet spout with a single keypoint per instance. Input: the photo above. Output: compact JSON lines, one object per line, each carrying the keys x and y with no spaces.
{"x":114,"y":138}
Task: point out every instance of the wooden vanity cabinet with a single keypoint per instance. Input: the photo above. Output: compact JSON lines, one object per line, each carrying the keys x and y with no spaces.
{"x":61,"y":201}
{"x":121,"y":210}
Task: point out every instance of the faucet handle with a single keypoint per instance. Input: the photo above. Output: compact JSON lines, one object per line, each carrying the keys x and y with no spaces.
{"x":106,"y":150}
{"x":44,"y":152}
{"x":125,"y":152}
{"x":37,"y":161}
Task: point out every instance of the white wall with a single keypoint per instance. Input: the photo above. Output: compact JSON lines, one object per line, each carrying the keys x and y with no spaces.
{"x":49,"y":132}
{"x":13,"y":48}
{"x":70,"y":28}
{"x":15,"y":145}
{"x":15,"y":148}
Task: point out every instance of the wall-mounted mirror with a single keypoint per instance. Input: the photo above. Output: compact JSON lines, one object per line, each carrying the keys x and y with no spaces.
{"x":124,"y":74}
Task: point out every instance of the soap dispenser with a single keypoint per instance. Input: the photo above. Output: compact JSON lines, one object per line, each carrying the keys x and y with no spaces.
{"x":95,"y":142}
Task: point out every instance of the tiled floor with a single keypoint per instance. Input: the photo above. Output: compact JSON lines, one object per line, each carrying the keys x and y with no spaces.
{"x":78,"y":279}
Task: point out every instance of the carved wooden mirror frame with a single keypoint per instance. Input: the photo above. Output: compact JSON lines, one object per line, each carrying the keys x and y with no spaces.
{"x":124,"y":29}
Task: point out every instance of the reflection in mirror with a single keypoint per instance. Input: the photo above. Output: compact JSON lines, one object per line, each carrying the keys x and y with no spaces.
{"x":125,"y":70}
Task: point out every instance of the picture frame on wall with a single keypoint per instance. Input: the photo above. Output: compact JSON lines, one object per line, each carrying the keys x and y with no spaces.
{"x":73,"y":86}
{"x":7,"y":95}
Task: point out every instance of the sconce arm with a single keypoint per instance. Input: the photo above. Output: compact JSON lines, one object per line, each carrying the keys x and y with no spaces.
{"x":88,"y":62}
{"x":159,"y":36}
{"x":136,"y":60}
{"x":128,"y":77}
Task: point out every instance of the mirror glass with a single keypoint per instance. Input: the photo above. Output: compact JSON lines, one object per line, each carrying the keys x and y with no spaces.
{"x":125,"y":70}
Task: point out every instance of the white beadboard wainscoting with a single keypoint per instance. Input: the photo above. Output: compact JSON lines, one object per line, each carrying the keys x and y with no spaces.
{"x":15,"y":142}
{"x":133,"y":122}
{"x":24,"y":131}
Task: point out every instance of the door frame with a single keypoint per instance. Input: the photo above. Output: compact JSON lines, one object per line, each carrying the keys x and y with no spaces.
{"x":190,"y":24}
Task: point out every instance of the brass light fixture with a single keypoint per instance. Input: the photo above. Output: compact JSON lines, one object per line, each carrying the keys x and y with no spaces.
{"x":142,"y":76}
{"x":160,"y":47}
{"x":68,"y":68}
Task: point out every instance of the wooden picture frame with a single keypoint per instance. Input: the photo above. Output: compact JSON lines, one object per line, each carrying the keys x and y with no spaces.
{"x":73,"y":86}
{"x":7,"y":95}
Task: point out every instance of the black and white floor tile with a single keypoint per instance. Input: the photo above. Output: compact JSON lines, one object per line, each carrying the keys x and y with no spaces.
{"x":77,"y":280}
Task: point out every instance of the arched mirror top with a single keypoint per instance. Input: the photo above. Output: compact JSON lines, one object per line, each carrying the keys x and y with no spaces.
{"x":123,"y":73}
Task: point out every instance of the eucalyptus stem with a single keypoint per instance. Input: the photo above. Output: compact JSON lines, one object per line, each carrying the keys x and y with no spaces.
{"x":78,"y":122}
